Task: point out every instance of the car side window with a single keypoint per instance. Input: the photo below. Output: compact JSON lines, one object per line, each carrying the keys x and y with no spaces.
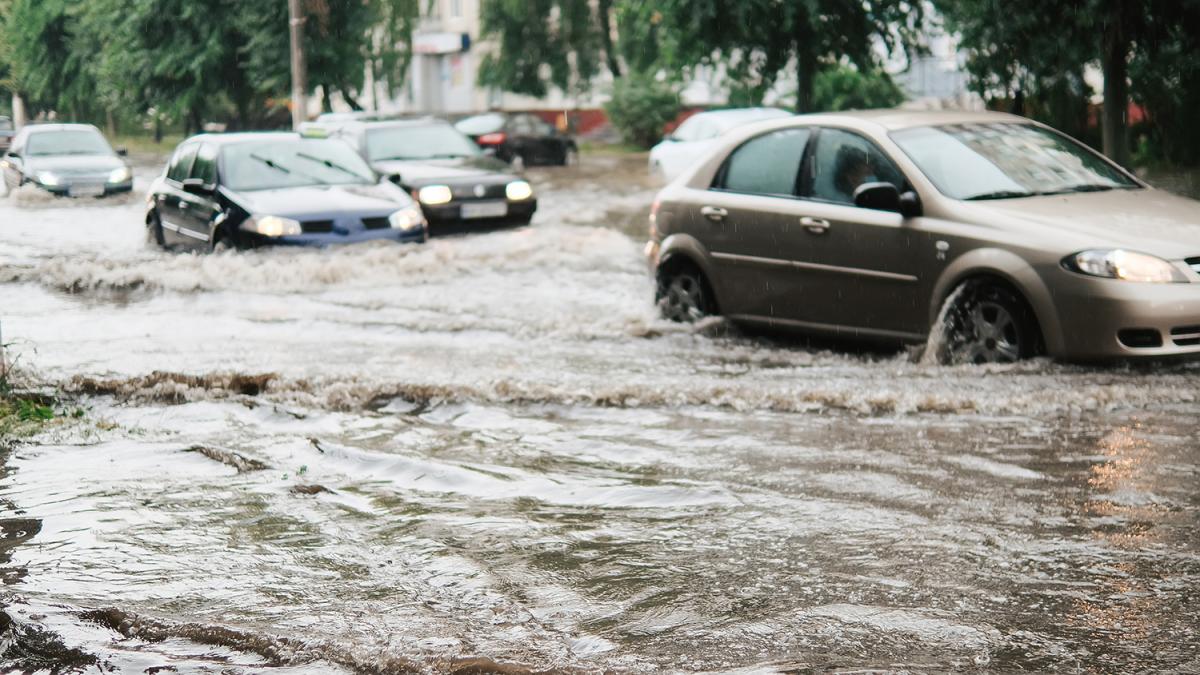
{"x":181,"y":163}
{"x":844,"y":161}
{"x":766,"y":165}
{"x":540,"y":127}
{"x":205,"y":165}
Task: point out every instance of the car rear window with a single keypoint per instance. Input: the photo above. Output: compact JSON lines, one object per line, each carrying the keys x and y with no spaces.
{"x":481,"y":124}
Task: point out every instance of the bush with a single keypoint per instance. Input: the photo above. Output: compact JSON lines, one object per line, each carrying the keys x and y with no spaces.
{"x":846,"y":88}
{"x":640,"y":107}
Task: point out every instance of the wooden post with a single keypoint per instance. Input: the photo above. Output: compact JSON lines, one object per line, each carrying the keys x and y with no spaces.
{"x":299,"y":67}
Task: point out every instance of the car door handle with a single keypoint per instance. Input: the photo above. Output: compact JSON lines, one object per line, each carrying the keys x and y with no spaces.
{"x":714,"y":213}
{"x":815,"y":225}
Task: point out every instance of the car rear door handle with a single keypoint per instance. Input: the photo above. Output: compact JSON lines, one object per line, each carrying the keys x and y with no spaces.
{"x":815,"y":225}
{"x":714,"y":213}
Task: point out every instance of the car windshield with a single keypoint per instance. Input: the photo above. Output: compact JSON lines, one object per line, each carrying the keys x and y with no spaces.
{"x":432,"y":141}
{"x":1006,"y":161}
{"x":481,"y":124}
{"x":70,"y":142}
{"x":275,"y":164}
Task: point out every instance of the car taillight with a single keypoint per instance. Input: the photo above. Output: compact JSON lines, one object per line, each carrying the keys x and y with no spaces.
{"x":492,"y":139}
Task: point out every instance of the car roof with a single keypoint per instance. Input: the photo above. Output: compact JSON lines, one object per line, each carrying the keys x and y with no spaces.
{"x":894,"y":119}
{"x":244,"y":137}
{"x":44,"y":128}
{"x":362,"y":125}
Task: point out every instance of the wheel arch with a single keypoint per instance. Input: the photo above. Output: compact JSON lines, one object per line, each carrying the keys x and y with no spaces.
{"x":1010,"y":270}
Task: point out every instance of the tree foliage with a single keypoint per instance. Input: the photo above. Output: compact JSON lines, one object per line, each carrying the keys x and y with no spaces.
{"x":641,"y":106}
{"x":543,"y":43}
{"x":847,"y":88}
{"x":195,"y":59}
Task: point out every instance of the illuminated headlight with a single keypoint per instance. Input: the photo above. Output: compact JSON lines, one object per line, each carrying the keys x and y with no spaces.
{"x":434,"y":195}
{"x":1125,"y":265}
{"x":120,"y":175}
{"x":518,"y":190}
{"x":47,"y":178}
{"x":272,"y":226}
{"x":407,"y":219}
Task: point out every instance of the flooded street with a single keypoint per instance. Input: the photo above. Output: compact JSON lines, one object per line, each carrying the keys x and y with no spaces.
{"x":490,"y":453}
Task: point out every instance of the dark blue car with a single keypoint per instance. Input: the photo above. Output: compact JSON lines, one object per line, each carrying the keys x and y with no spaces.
{"x":236,"y":191}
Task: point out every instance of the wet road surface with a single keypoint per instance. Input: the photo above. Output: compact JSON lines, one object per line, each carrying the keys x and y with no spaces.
{"x":489,"y":452}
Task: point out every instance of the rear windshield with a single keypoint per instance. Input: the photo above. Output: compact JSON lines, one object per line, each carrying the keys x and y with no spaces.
{"x":481,"y":124}
{"x":275,"y":164}
{"x":6,"y":124}
{"x":1006,"y":161}
{"x":434,"y":141}
{"x":70,"y":142}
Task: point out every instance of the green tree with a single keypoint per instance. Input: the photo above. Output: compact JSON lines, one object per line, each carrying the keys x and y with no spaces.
{"x":846,"y":88}
{"x":44,"y":64}
{"x":758,"y":40}
{"x":641,"y":106}
{"x":1011,"y":49}
{"x":544,"y":43}
{"x":1168,"y":87}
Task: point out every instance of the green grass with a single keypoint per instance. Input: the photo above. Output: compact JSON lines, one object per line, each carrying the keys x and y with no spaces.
{"x":611,"y":149}
{"x":143,"y":144}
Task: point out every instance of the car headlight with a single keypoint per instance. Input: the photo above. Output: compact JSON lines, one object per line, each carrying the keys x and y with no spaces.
{"x":1124,"y":265}
{"x":47,"y":178}
{"x":434,"y":195}
{"x":272,"y":226}
{"x":407,"y":219}
{"x":518,"y":190}
{"x":120,"y":175}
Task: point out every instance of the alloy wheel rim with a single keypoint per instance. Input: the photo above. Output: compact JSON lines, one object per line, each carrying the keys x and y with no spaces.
{"x":684,"y":299}
{"x":988,"y":334}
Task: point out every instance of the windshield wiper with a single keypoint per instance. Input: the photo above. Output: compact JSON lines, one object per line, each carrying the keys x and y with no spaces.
{"x":270,"y":163}
{"x":1087,"y":187}
{"x":1000,"y":194}
{"x":330,"y":164}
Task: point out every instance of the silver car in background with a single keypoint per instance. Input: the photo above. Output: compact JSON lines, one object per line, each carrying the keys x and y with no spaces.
{"x":71,"y":160}
{"x":1009,"y":237}
{"x":698,"y":135}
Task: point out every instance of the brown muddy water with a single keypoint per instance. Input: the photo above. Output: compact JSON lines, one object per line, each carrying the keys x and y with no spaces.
{"x":488,"y":453}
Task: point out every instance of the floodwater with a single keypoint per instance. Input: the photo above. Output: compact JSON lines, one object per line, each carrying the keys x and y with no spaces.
{"x":488,"y":453}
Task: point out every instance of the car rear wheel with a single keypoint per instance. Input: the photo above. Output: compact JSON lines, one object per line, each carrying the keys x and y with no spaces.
{"x":986,"y":323}
{"x":222,"y":244}
{"x":684,"y":295}
{"x":570,"y":157}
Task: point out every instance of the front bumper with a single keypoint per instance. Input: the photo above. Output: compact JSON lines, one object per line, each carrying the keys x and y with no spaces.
{"x":254,"y":240}
{"x":1095,"y":314}
{"x":70,"y":189}
{"x":450,"y":215}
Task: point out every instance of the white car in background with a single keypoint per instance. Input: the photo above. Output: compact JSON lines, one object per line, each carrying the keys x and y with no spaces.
{"x":698,"y":134}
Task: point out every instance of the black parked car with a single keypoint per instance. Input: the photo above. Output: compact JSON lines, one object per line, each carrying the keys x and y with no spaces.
{"x":521,"y":139}
{"x":456,"y":184}
{"x":6,"y":133}
{"x":72,"y":160}
{"x":255,"y":189}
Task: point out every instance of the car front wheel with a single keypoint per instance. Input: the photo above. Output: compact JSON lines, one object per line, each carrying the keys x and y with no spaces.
{"x":985,"y":323}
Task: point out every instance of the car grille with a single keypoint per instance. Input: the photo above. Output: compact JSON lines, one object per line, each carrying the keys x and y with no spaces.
{"x":317,"y":226}
{"x":376,"y":223}
{"x":468,"y":192}
{"x":1186,"y":336}
{"x":1194,"y":263}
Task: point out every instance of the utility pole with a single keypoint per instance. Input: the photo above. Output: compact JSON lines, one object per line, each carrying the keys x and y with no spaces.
{"x":299,"y":68}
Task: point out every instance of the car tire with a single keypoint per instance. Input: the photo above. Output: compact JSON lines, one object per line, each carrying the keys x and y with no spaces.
{"x":684,"y":295}
{"x":570,"y":157}
{"x":154,"y":232}
{"x":222,"y":244}
{"x":985,"y":323}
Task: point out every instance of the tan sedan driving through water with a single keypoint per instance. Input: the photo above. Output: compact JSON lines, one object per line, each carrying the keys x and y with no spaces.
{"x":1012,"y":238}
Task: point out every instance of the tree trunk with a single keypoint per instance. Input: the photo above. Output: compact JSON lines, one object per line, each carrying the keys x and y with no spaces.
{"x":1115,"y":61}
{"x":604,"y":8}
{"x":806,"y":73}
{"x":350,"y":99}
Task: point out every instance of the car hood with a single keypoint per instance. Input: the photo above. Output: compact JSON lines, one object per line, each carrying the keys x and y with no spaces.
{"x":74,"y":163}
{"x":323,"y":201}
{"x":1151,"y":221}
{"x":426,"y":172}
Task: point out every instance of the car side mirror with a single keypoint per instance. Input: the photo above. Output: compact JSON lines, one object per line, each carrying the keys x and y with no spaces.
{"x":395,"y":178}
{"x":670,"y":138}
{"x":910,"y":205}
{"x":196,"y":186}
{"x":877,"y":196}
{"x":122,"y":152}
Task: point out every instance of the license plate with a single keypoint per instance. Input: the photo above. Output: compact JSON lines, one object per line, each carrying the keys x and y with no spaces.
{"x":86,"y":190}
{"x":485,"y":210}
